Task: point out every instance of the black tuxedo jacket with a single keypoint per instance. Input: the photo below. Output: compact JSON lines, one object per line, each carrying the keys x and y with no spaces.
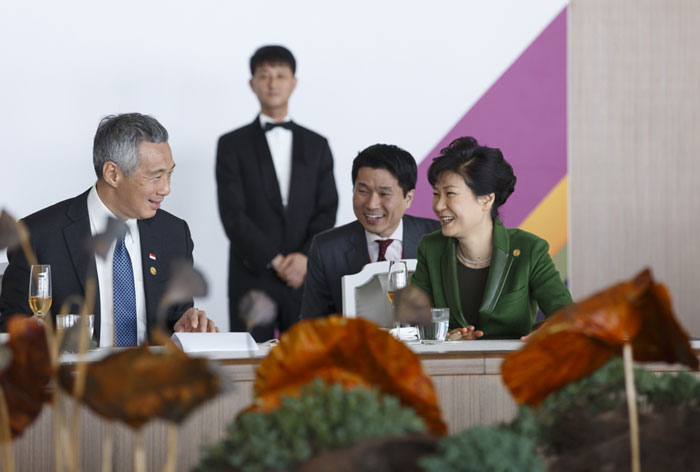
{"x":342,"y":251}
{"x":58,"y":234}
{"x":256,"y":222}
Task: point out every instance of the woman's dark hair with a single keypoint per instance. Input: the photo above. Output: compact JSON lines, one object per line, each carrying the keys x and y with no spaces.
{"x":483,"y":169}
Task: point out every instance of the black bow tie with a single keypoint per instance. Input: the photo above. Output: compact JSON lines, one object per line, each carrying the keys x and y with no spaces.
{"x":285,"y":124}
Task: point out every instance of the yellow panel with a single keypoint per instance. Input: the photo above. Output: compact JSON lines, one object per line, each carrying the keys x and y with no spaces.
{"x":548,"y":220}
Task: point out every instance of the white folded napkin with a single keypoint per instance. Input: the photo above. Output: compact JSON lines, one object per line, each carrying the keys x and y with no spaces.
{"x":407,"y":334}
{"x":215,"y":342}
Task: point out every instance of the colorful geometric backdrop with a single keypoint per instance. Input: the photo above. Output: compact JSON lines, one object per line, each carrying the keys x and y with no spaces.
{"x":524,"y":114}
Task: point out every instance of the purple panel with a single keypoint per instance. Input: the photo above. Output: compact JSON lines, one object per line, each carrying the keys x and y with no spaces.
{"x":523,"y":114}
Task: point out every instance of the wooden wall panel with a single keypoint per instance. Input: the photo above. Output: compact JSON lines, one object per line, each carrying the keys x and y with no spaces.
{"x":634,"y":140}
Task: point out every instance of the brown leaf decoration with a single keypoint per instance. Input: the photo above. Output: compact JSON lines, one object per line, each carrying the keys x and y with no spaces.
{"x":256,"y":308}
{"x":138,"y":384}
{"x":100,"y":243}
{"x":581,"y":337}
{"x":71,"y":340}
{"x":413,"y":306}
{"x":349,"y":351}
{"x":9,"y":234}
{"x":185,"y":283}
{"x":26,"y":379}
{"x":661,"y":337}
{"x":5,"y":358}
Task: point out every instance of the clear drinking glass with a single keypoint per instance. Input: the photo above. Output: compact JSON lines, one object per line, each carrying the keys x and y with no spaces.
{"x":68,"y":320}
{"x":40,"y":290}
{"x":435,"y":332}
{"x":397,"y":278}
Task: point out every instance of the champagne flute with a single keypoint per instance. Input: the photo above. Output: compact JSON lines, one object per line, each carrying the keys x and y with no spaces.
{"x":40,"y":290}
{"x":397,"y":278}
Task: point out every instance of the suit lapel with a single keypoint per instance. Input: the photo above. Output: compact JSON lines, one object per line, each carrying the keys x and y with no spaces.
{"x":268,"y":175}
{"x":75,"y":235}
{"x":356,"y":255}
{"x":448,"y":266}
{"x":153,"y":269}
{"x":498,"y":271}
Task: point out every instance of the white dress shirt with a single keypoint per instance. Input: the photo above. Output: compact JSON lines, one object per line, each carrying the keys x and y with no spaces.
{"x":99,"y":213}
{"x":279,"y":140}
{"x":395,"y":250}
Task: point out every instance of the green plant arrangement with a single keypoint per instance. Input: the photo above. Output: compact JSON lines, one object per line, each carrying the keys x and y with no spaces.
{"x":635,"y":319}
{"x":603,"y":391}
{"x":321,"y":418}
{"x":583,"y":425}
{"x":485,"y":449}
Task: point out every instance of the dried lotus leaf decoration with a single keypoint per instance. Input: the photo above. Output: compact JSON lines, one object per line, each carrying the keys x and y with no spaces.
{"x":100,"y":243}
{"x":581,"y":337}
{"x":349,"y":351}
{"x":14,"y":234}
{"x":25,"y":380}
{"x":413,"y":306}
{"x":9,"y":232}
{"x":256,"y":308}
{"x":138,"y":384}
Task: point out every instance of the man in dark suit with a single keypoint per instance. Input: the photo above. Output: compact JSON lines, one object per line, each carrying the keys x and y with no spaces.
{"x":133,"y":163}
{"x":384,"y":182}
{"x":276,"y":191}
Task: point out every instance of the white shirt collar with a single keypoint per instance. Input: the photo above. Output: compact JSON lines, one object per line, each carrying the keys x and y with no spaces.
{"x":397,"y":235}
{"x":99,"y":214}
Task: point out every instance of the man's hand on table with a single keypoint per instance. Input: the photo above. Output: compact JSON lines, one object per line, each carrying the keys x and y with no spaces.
{"x":195,"y":321}
{"x":464,"y":334}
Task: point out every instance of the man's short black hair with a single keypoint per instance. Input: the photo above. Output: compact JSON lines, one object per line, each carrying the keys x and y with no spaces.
{"x":272,"y":54}
{"x":398,"y":161}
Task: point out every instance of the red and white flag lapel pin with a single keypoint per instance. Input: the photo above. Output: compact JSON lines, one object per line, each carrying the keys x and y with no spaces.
{"x":152,"y":256}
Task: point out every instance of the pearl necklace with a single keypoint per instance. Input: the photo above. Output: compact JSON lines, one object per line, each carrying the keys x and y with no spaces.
{"x":464,"y":259}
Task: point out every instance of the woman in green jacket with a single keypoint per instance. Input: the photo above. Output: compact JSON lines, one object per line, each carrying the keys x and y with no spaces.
{"x":492,"y":278}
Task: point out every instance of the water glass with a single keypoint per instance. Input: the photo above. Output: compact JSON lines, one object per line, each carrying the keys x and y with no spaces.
{"x":68,"y":320}
{"x":436,"y":331}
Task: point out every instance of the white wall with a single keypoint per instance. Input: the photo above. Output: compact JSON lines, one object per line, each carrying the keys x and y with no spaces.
{"x":395,"y":71}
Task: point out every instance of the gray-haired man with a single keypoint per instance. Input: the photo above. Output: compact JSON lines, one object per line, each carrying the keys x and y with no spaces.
{"x":133,"y":163}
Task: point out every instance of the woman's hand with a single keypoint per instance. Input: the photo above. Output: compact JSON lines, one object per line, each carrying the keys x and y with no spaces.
{"x":464,"y":334}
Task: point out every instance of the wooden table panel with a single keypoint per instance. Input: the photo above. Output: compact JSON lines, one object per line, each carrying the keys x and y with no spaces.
{"x":466,"y":376}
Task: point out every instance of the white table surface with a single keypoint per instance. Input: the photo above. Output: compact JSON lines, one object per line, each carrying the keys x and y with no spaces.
{"x":447,"y":347}
{"x":264,"y":348}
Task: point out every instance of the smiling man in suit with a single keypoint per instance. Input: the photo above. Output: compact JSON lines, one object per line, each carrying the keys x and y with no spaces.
{"x":384,"y":182}
{"x":133,"y":163}
{"x":276,"y":191}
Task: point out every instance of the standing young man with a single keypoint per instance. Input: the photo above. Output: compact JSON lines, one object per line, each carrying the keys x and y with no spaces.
{"x":276,"y":190}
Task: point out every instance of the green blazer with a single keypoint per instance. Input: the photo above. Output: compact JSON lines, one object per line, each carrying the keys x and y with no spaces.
{"x":521,"y":277}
